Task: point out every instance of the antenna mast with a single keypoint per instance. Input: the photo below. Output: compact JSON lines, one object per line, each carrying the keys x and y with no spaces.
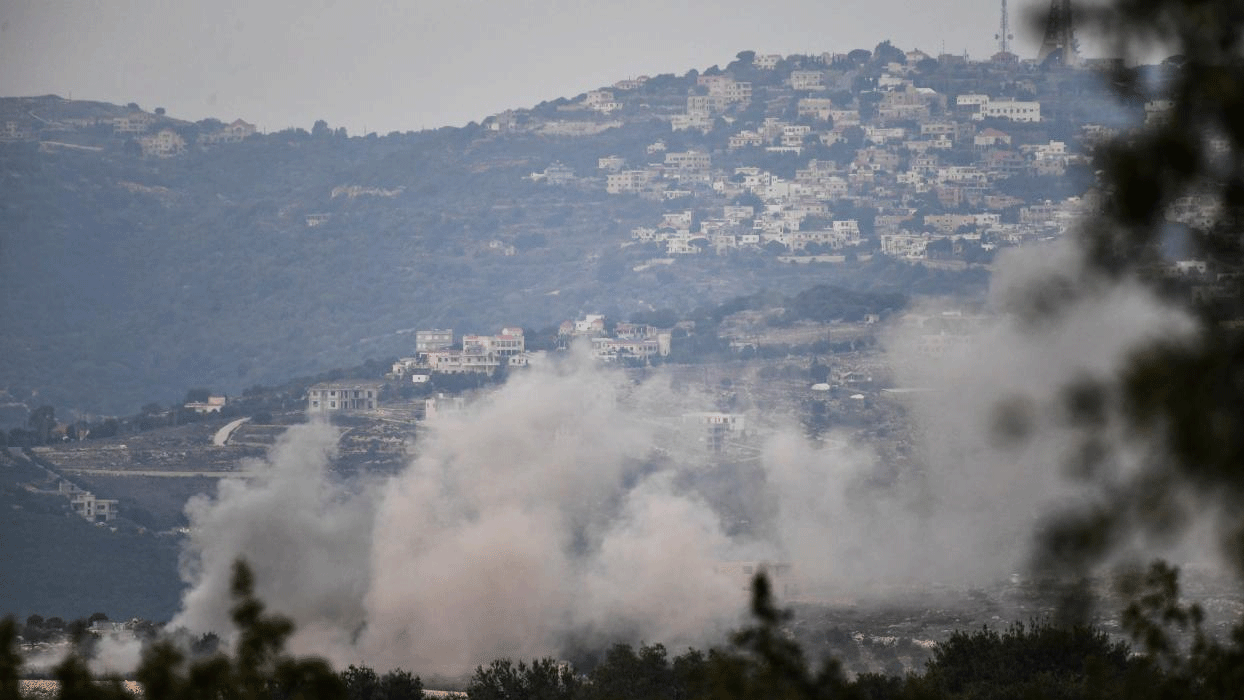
{"x":1004,"y":36}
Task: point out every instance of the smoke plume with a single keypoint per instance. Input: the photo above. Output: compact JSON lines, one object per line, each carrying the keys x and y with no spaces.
{"x":563,"y":507}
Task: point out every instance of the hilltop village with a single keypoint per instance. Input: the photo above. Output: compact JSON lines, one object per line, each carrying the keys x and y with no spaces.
{"x":827,"y":158}
{"x":878,"y":170}
{"x":778,"y":166}
{"x":837,"y":157}
{"x":752,"y":229}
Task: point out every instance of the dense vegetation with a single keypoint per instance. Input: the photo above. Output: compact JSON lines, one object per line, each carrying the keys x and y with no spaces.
{"x":1037,"y":661}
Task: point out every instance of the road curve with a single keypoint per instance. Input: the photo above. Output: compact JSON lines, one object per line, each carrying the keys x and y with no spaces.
{"x":221,"y":438}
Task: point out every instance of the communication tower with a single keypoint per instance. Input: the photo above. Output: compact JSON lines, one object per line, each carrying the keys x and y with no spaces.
{"x":1004,"y":37}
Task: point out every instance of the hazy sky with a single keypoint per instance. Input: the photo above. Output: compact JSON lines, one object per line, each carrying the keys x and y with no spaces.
{"x":387,"y":66}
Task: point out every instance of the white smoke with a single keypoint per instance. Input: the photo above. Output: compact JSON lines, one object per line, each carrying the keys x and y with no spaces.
{"x":541,"y":511}
{"x":307,"y":538}
{"x":115,"y":653}
{"x":1000,"y":447}
{"x":545,"y":512}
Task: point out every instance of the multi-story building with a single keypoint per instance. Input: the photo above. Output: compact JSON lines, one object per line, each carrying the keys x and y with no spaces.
{"x":87,"y":505}
{"x":508,"y":343}
{"x":807,"y":80}
{"x":436,"y":339}
{"x":136,"y":123}
{"x":627,"y":181}
{"x":705,"y":104}
{"x":688,"y":160}
{"x":815,"y":107}
{"x":736,"y":92}
{"x":1012,"y":110}
{"x":470,"y":359}
{"x":767,"y":61}
{"x":694,"y":120}
{"x":904,"y":245}
{"x":342,"y":397}
{"x":615,"y":349}
{"x":601,"y":101}
{"x":744,"y":139}
{"x":165,"y":144}
{"x":717,"y":427}
{"x":611,"y":163}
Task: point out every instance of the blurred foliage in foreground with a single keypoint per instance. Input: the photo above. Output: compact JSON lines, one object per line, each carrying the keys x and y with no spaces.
{"x":1034,"y":661}
{"x":1163,"y":441}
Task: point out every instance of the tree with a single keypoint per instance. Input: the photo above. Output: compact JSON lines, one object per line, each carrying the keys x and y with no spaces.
{"x":1190,"y":392}
{"x":105,"y":429}
{"x":625,"y":675}
{"x":399,"y":684}
{"x":544,"y":679}
{"x":1038,"y":660}
{"x":10,"y":660}
{"x":767,"y":663}
{"x":888,"y":53}
{"x":41,"y":422}
{"x":259,"y":667}
{"x":198,"y":395}
{"x":859,"y":57}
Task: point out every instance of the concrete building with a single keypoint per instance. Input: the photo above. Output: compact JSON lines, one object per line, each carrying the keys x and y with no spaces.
{"x":164,"y":144}
{"x":436,"y":339}
{"x":213,"y":404}
{"x":85,"y":503}
{"x":508,"y":343}
{"x":342,"y":397}
{"x":1012,"y":110}
{"x":716,"y":427}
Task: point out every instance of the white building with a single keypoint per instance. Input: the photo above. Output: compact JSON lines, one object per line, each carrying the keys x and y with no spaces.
{"x":164,"y":144}
{"x":807,"y":80}
{"x":342,"y":397}
{"x":627,"y":181}
{"x":472,"y":359}
{"x":213,"y":404}
{"x":611,"y":163}
{"x":767,"y":61}
{"x":435,"y":339}
{"x":717,"y":427}
{"x":508,"y":343}
{"x":688,"y":160}
{"x":85,"y":504}
{"x":1012,"y":110}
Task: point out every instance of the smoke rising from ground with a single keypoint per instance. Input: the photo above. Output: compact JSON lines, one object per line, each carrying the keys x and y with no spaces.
{"x":562,"y":508}
{"x":1000,"y":444}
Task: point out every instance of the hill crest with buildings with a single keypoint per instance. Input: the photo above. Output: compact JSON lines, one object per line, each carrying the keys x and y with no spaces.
{"x":150,"y":253}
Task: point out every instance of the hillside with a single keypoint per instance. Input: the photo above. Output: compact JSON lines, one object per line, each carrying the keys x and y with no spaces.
{"x":54,"y":560}
{"x":141,"y":254}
